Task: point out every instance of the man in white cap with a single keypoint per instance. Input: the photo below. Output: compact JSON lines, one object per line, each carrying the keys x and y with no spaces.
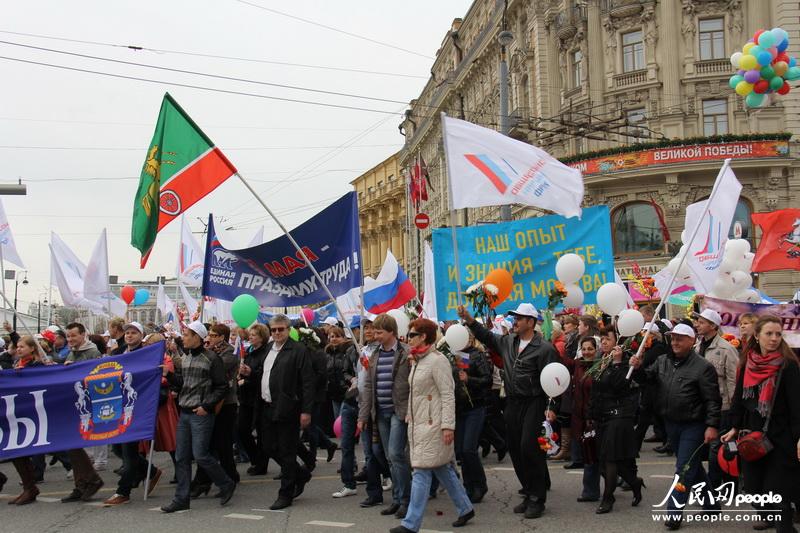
{"x":688,"y":399}
{"x":725,"y":359}
{"x":202,"y":386}
{"x":525,"y":353}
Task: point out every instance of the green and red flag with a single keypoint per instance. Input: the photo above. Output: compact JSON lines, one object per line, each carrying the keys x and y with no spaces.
{"x":181,"y":167}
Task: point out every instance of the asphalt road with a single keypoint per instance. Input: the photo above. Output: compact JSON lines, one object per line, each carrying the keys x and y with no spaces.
{"x":316,"y":511}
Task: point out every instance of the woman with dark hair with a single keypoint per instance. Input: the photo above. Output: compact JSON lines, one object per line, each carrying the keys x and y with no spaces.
{"x":581,"y":394}
{"x":341,"y":371}
{"x":767,"y":398}
{"x":249,"y":391}
{"x":612,"y":410}
{"x":431,"y":427}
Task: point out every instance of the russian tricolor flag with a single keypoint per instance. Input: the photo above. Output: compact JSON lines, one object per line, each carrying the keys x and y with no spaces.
{"x":391,"y":290}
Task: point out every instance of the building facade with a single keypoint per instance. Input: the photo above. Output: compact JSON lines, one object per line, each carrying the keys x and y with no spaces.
{"x":632,"y":92}
{"x":382,"y":213}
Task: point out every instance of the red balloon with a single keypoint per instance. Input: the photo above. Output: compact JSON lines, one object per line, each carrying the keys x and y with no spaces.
{"x":785,"y":89}
{"x":761,"y":86}
{"x":755,"y":36}
{"x":783,"y":56}
{"x":127,"y":293}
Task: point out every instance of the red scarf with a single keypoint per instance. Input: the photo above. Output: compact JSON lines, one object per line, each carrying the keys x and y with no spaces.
{"x":760,"y":375}
{"x":418,"y":351}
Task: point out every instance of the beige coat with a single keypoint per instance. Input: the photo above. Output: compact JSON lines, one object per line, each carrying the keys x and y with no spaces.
{"x":725,"y":359}
{"x":431,"y":408}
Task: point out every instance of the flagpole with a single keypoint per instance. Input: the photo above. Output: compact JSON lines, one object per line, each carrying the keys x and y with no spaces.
{"x":452,"y":211}
{"x":149,"y":466}
{"x":695,"y":231}
{"x":3,"y":268}
{"x":299,"y":250}
{"x":24,"y":325}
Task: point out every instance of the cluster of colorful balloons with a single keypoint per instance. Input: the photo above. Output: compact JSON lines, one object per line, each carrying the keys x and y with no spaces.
{"x":764,"y":68}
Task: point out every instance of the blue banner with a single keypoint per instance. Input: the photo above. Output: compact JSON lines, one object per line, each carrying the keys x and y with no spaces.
{"x":103,"y":401}
{"x":529,"y":249}
{"x":276,"y":273}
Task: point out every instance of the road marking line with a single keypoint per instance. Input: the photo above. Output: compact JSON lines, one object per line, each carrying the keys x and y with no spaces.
{"x":154,"y":509}
{"x":662,"y":476}
{"x":268,"y":511}
{"x":329,"y":524}
{"x":95,"y":504}
{"x":433,"y":531}
{"x":501,"y":469}
{"x":575,"y":471}
{"x":244,"y":516}
{"x":47,"y":500}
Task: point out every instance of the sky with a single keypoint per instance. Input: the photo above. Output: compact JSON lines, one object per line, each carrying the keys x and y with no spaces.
{"x":78,"y":139}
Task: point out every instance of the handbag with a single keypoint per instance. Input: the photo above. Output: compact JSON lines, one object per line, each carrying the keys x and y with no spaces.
{"x":754,"y":445}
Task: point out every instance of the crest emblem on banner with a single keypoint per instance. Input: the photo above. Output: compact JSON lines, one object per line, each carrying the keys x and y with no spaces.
{"x":105,"y":401}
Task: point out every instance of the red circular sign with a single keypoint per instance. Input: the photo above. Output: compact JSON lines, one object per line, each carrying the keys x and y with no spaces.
{"x":422,"y":220}
{"x":169,"y":202}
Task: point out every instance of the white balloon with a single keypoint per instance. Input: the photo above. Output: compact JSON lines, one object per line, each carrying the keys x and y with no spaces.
{"x":737,"y":247}
{"x":574,"y":297}
{"x":729,"y":264}
{"x":748,"y":295}
{"x":723,"y":286}
{"x":747,"y":262}
{"x":457,"y":337}
{"x":741,"y":280}
{"x":612,"y":298}
{"x":735,"y":58}
{"x":570,"y":268}
{"x":684,"y":236}
{"x":630,"y":322}
{"x":554,"y":379}
{"x":402,"y":321}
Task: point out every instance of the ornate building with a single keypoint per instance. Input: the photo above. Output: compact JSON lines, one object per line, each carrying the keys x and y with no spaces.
{"x":382,"y":214}
{"x":632,"y":92}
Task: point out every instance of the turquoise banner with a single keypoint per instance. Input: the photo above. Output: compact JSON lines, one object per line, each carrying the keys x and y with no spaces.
{"x":529,"y":249}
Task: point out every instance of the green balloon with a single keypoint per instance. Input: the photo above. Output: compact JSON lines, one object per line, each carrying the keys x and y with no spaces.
{"x":793,"y":73}
{"x":734,"y":81}
{"x":754,"y":99}
{"x":776,"y":83}
{"x":768,"y":72}
{"x":245,"y":310}
{"x":294,"y":334}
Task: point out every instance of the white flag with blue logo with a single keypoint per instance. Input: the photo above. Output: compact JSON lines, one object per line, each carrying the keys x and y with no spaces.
{"x":487,"y":168}
{"x":7,"y":246}
{"x":704,"y":254}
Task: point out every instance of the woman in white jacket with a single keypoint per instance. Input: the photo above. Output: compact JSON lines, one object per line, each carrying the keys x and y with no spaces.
{"x":431,"y":427}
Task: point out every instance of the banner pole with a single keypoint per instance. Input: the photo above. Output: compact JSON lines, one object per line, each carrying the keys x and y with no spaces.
{"x":3,"y":268}
{"x":665,"y":297}
{"x":24,"y":325}
{"x":452,"y":209}
{"x":300,"y":251}
{"x":149,"y":466}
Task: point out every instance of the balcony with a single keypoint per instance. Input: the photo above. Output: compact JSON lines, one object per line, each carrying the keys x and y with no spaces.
{"x":713,"y":66}
{"x":622,"y":8}
{"x":567,"y":22}
{"x":629,"y":79}
{"x":519,"y":123}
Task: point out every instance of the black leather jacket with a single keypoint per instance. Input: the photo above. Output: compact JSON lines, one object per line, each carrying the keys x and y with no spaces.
{"x":474,"y":392}
{"x":687,"y":388}
{"x":521,"y":371}
{"x":613,"y":396}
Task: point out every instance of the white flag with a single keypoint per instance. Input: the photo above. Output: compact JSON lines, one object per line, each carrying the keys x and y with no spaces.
{"x":7,"y":247}
{"x":704,"y":254}
{"x":618,"y":281}
{"x":487,"y":168}
{"x":190,"y":258}
{"x":191,"y":303}
{"x":429,"y":298}
{"x":95,"y":282}
{"x":165,"y":304}
{"x":258,"y":238}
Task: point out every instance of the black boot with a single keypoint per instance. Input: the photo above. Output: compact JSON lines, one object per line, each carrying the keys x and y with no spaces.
{"x":637,"y":491}
{"x":606,"y":506}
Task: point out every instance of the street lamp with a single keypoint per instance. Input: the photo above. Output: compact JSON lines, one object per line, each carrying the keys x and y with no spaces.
{"x":16,"y":290}
{"x":505,"y":38}
{"x":39,"y":312}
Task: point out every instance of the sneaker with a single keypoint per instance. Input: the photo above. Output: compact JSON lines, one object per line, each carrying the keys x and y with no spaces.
{"x":100,"y":467}
{"x":116,"y":499}
{"x":70,"y":475}
{"x":387,"y":484}
{"x":344,"y":492}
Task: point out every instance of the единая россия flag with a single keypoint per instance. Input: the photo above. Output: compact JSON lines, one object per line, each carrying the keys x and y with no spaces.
{"x":181,"y":167}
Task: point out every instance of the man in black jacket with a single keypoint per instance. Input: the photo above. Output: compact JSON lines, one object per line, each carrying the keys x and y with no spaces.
{"x":284,"y":406}
{"x":689,"y":400}
{"x":525,"y":353}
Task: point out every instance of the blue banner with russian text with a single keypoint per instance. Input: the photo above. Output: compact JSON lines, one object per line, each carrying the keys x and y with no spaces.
{"x":101,"y":401}
{"x":529,"y":250}
{"x":277,"y":275}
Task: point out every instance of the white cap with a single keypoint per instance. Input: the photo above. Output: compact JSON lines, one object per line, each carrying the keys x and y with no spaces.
{"x":667,"y":323}
{"x":106,"y":334}
{"x":712,"y":316}
{"x":525,"y":310}
{"x":331,"y":321}
{"x":683,"y":329}
{"x":53,"y":328}
{"x":198,"y":328}
{"x":653,"y":328}
{"x":134,"y":325}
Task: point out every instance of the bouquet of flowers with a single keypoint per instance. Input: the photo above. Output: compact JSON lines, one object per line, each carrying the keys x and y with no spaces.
{"x":456,"y":363}
{"x":481,"y":296}
{"x":731,"y":338}
{"x":644,"y":284}
{"x":548,"y":439}
{"x":556,"y":296}
{"x":309,"y":338}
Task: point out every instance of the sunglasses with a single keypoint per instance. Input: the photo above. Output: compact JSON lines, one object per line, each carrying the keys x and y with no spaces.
{"x":278,"y":330}
{"x":412,"y":334}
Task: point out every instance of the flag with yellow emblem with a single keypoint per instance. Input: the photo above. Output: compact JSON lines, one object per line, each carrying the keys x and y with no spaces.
{"x":181,"y":167}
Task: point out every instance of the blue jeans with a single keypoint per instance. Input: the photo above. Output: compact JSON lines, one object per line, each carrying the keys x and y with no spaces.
{"x":685,"y":438}
{"x":420,"y":488}
{"x":349,"y":414}
{"x":394,"y":438}
{"x":469,"y":425}
{"x":194,"y":440}
{"x":591,"y":481}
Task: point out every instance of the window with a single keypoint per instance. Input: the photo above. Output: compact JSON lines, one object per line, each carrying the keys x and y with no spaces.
{"x":632,"y":51}
{"x":715,"y":117}
{"x":712,"y":39}
{"x":636,"y":118}
{"x":577,"y":68}
{"x":636,"y":229}
{"x":580,"y":145}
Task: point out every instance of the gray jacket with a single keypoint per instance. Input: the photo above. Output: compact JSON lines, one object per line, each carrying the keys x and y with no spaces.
{"x":400,"y":370}
{"x":88,"y":350}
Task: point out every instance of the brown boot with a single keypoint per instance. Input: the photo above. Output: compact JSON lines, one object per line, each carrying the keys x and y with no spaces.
{"x":566,"y":441}
{"x":27,"y":496}
{"x":24,"y":468}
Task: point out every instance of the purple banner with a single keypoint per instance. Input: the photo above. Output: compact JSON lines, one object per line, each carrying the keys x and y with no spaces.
{"x":731,"y":311}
